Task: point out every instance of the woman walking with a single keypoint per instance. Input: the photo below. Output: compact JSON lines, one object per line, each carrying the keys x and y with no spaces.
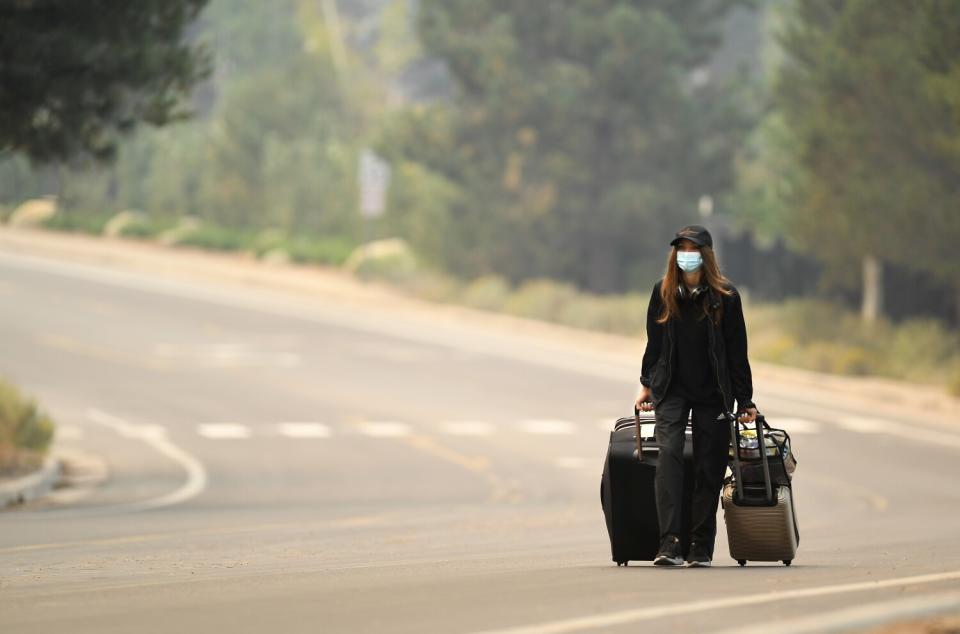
{"x":696,"y":359}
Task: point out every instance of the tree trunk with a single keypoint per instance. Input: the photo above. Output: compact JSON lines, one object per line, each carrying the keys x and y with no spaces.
{"x":603,"y":275}
{"x":872,"y":306}
{"x":956,"y":298}
{"x":599,"y":238}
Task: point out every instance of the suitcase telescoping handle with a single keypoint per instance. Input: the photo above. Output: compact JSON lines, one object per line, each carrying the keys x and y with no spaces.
{"x":761,"y":449}
{"x":636,"y":419}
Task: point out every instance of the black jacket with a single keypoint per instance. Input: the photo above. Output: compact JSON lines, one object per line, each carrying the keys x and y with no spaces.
{"x":728,"y":343}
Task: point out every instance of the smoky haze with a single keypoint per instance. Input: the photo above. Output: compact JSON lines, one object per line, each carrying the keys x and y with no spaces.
{"x":317,"y":314}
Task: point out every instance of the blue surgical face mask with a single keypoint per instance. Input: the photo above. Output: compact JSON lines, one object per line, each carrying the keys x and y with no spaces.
{"x":689,"y":261}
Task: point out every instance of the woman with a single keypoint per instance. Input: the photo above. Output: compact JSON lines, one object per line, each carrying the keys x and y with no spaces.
{"x":696,"y":359}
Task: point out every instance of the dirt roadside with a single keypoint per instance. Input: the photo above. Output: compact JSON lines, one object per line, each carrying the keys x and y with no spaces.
{"x":338,"y":287}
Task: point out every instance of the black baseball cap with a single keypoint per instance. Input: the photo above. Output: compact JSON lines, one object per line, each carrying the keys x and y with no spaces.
{"x":695,"y":234}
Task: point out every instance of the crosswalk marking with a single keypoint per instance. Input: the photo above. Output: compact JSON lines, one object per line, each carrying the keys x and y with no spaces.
{"x":467,"y":428}
{"x":224,"y":430}
{"x":558,"y":428}
{"x":547,"y":426}
{"x":385,"y":429}
{"x":304,"y":430}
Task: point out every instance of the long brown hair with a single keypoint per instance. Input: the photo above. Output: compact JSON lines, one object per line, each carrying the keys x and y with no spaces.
{"x":711,"y":275}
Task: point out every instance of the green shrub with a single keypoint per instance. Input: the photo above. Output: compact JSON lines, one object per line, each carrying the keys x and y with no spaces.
{"x":953,"y":387}
{"x":821,"y":336}
{"x":146,"y":229}
{"x":78,"y":221}
{"x":433,"y":286}
{"x":489,"y":292}
{"x":218,"y":238}
{"x":920,"y":349}
{"x":385,"y":260}
{"x":541,"y":299}
{"x":267,"y":241}
{"x":332,"y":250}
{"x":619,"y":314}
{"x":25,"y":431}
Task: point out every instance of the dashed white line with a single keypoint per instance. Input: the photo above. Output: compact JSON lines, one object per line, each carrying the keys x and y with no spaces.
{"x":794,"y":426}
{"x":548,"y":426}
{"x":384,"y":429}
{"x":220,"y":431}
{"x":467,"y":428}
{"x":304,"y":430}
{"x":914,"y":432}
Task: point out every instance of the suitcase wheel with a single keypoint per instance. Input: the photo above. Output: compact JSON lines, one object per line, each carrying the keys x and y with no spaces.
{"x":743,"y":562}
{"x":787,"y":562}
{"x":622,"y":563}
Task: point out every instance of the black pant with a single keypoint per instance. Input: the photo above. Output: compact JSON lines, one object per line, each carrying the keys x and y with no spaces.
{"x":711,"y":438}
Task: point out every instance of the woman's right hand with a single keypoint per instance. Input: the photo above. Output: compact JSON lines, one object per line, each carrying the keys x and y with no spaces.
{"x":643,"y":400}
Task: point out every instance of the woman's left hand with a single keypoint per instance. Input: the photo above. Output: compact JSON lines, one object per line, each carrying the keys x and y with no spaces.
{"x":747,"y":415}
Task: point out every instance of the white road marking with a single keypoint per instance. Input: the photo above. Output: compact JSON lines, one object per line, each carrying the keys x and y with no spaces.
{"x":156,"y":437}
{"x":384,"y":429}
{"x":304,"y":430}
{"x":547,"y":426}
{"x":863,"y":425}
{"x":917,"y":433}
{"x":467,"y":428}
{"x":226,"y":355}
{"x":69,"y":432}
{"x":861,"y":617}
{"x":220,"y":431}
{"x":571,"y":462}
{"x":796,"y":426}
{"x":623,"y":617}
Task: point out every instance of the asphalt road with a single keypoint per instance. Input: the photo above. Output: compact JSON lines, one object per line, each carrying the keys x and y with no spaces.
{"x":271,"y":462}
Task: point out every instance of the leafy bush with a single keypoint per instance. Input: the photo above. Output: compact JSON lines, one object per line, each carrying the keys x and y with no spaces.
{"x":218,"y":239}
{"x":389,"y":260}
{"x":820,"y":336}
{"x":953,"y":387}
{"x":433,"y":286}
{"x":620,"y":314}
{"x":489,"y":292}
{"x":541,"y":299}
{"x":332,"y":250}
{"x":79,"y":222}
{"x":146,"y":229}
{"x":25,"y":431}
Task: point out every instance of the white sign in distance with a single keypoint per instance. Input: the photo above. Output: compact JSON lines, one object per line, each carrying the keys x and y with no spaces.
{"x":374,"y":181}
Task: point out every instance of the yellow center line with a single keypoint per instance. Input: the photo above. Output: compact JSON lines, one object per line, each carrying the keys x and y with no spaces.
{"x":345,"y":522}
{"x":60,"y":342}
{"x":428,"y":444}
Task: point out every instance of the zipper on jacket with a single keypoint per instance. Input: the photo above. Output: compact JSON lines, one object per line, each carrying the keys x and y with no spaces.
{"x":716,"y":362}
{"x":670,"y":358}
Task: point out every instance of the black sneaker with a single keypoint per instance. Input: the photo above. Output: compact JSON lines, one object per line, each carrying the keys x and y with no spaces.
{"x":698,"y":556}
{"x":669,"y":553}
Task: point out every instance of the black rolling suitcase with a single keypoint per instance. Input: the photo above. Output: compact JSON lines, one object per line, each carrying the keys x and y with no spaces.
{"x":627,"y":490}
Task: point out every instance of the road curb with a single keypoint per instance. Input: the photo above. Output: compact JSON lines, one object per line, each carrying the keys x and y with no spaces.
{"x":31,"y":486}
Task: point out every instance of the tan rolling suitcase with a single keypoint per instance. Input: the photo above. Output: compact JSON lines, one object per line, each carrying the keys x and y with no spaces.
{"x":761,"y":519}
